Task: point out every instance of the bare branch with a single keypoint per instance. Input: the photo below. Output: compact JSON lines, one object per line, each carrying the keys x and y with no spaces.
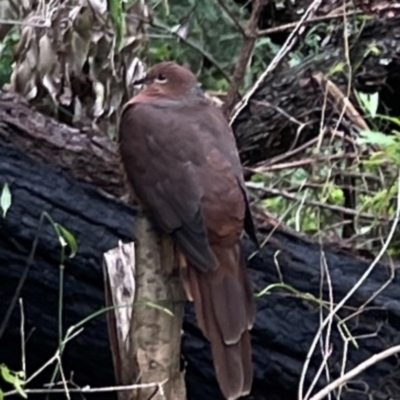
{"x":232,"y":17}
{"x":315,"y":203}
{"x":244,"y":56}
{"x":356,"y":371}
{"x":281,"y":54}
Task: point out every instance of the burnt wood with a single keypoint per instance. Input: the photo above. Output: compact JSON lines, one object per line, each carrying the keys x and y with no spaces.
{"x":285,"y":324}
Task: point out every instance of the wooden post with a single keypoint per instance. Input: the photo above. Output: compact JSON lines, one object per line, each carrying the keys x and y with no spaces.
{"x":154,"y":340}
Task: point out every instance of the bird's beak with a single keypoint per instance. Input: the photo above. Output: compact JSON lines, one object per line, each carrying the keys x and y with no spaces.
{"x":140,"y":81}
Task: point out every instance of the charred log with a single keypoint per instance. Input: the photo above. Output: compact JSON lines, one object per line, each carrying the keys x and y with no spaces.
{"x":285,"y":325}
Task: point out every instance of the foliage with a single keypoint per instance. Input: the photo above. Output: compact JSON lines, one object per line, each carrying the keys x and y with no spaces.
{"x":310,"y":197}
{"x":14,"y":378}
{"x":202,"y":36}
{"x":106,"y":44}
{"x":78,"y":66}
{"x":199,"y":24}
{"x":6,"y":55}
{"x":102,"y":56}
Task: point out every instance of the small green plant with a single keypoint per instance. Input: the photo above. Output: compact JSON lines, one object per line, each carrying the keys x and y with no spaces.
{"x":14,"y":378}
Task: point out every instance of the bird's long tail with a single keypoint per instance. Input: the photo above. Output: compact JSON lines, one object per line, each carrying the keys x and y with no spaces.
{"x":224,"y":306}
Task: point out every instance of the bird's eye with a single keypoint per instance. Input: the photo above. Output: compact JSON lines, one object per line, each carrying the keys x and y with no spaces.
{"x":161,"y":78}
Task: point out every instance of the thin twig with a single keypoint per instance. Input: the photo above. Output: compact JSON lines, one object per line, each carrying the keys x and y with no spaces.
{"x":327,"y":351}
{"x":341,"y":100}
{"x":229,"y":13}
{"x":291,"y":25}
{"x":188,"y":42}
{"x":350,"y":293}
{"x":88,"y":389}
{"x":22,"y":331}
{"x":31,"y":23}
{"x":356,"y":371}
{"x":322,"y":18}
{"x":289,"y":154}
{"x":280,"y":110}
{"x":42,"y":368}
{"x":63,"y":380}
{"x":363,"y":307}
{"x":320,"y":185}
{"x":246,"y":50}
{"x":315,"y":203}
{"x":303,"y":162}
{"x":274,"y":63}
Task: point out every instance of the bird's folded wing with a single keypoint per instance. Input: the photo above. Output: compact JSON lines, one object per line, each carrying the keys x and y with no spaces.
{"x":161,"y":158}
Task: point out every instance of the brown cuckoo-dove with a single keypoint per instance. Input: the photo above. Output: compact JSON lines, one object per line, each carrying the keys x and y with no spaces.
{"x":180,"y":158}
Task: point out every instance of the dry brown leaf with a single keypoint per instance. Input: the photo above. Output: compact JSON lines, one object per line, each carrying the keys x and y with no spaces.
{"x":74,"y":61}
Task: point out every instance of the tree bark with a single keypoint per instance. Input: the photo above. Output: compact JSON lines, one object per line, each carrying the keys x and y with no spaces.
{"x":287,"y":319}
{"x":86,"y":154}
{"x":157,"y":315}
{"x":146,"y":338}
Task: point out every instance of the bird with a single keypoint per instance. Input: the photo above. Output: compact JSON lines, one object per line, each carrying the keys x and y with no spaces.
{"x":181,"y":161}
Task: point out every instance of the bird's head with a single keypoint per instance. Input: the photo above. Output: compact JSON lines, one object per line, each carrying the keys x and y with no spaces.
{"x":169,"y":79}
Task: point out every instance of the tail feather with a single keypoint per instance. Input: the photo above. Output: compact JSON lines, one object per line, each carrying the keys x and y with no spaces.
{"x":224,"y":307}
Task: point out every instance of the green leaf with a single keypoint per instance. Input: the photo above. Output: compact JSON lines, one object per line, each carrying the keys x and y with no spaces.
{"x":115,"y":9}
{"x":67,"y":238}
{"x":5,"y":199}
{"x":375,"y":137}
{"x":394,"y":120}
{"x":370,"y":102}
{"x":1,"y":395}
{"x":16,"y":379}
{"x":373,"y":104}
{"x":335,"y":195}
{"x":158,"y":307}
{"x":258,"y":178}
